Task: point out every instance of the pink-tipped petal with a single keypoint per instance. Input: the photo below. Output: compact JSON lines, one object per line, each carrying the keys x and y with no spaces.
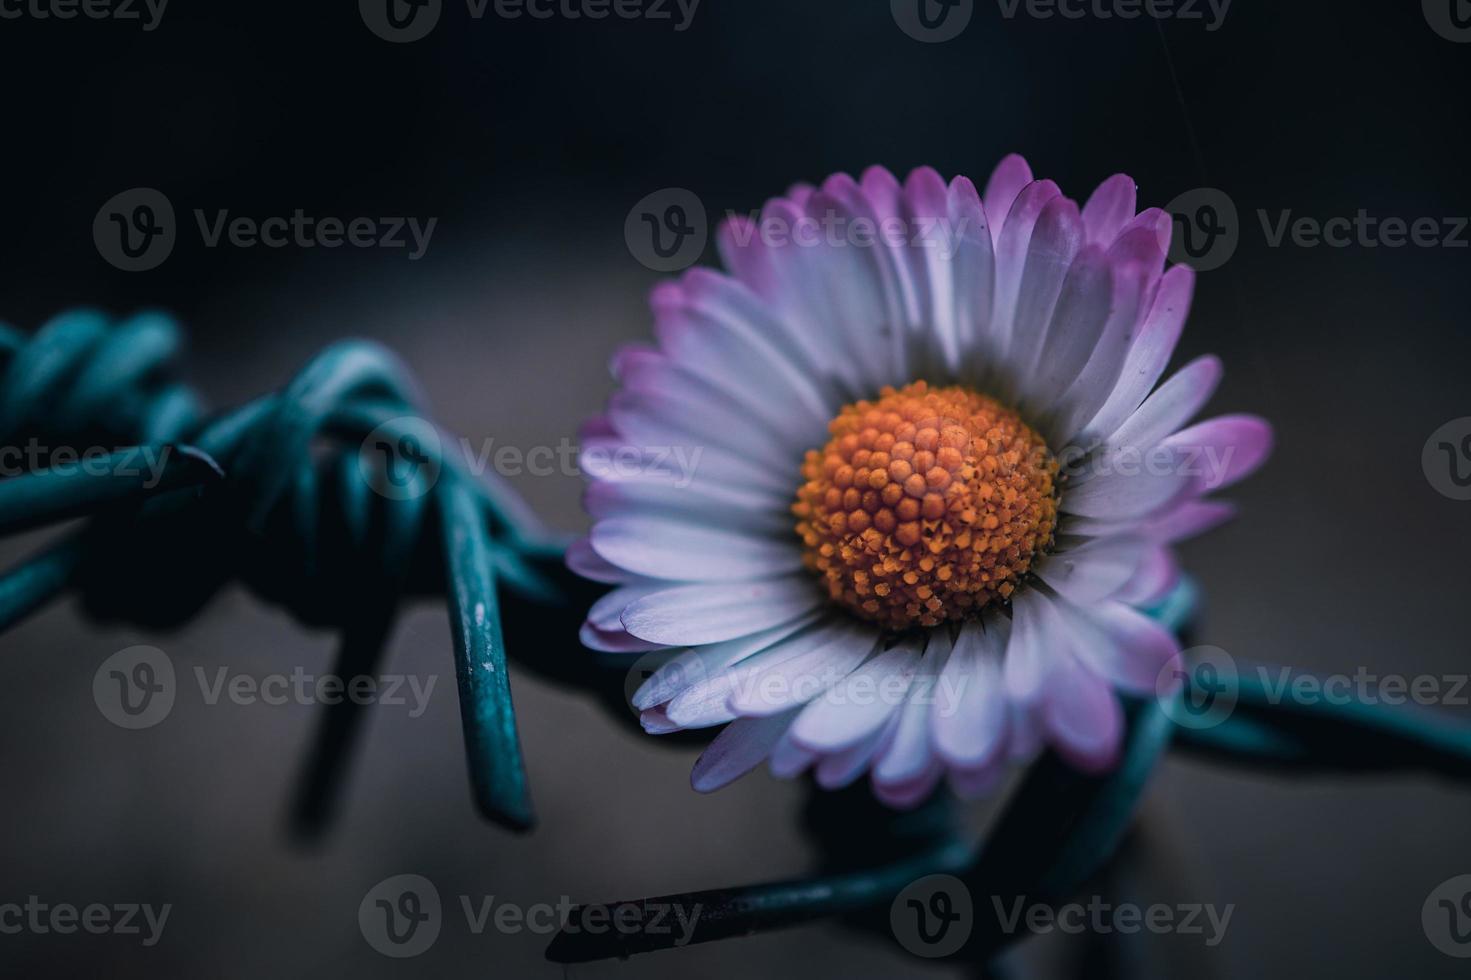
{"x":1109,"y":208}
{"x":742,"y":746}
{"x":1226,"y":449}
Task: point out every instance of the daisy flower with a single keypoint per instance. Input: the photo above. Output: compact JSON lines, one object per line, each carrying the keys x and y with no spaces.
{"x":893,"y":490}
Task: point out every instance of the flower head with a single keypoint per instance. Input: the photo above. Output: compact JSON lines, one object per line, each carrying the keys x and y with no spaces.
{"x":894,"y":490}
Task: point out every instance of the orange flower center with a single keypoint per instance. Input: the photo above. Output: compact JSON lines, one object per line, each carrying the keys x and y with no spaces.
{"x":925,"y":505}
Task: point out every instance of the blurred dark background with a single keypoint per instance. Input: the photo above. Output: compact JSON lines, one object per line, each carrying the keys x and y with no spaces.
{"x":530,"y":141}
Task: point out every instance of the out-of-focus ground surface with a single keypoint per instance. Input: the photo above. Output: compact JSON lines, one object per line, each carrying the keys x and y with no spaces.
{"x":530,"y":142}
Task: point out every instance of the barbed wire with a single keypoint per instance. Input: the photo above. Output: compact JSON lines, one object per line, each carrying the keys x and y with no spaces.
{"x":287,"y":494}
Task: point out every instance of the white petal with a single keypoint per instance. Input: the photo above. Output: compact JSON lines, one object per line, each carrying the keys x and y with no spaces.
{"x":789,"y":759}
{"x":973,"y":276}
{"x":587,"y":563}
{"x":660,"y":421}
{"x":698,"y":664}
{"x":1124,"y":646}
{"x":1084,"y":720}
{"x":611,"y":457}
{"x":791,"y":682}
{"x":971,"y":733}
{"x":1225,"y":449}
{"x":1169,"y":408}
{"x":1149,"y":352}
{"x":737,"y":750}
{"x":1188,"y":519}
{"x":1012,"y":250}
{"x":1132,"y":492}
{"x":691,"y":615}
{"x":1055,"y":241}
{"x":842,"y":768}
{"x":1109,"y":208}
{"x":1095,"y":569}
{"x":1157,"y":574}
{"x":708,"y":702}
{"x":613,"y":641}
{"x":910,"y":753}
{"x":724,"y":408}
{"x":910,"y":793}
{"x":1024,"y":670}
{"x":700,"y":503}
{"x":862,"y":703}
{"x":1006,"y":182}
{"x":1136,"y":262}
{"x":1078,"y":321}
{"x":681,"y":551}
{"x":656,"y":722}
{"x":717,"y":328}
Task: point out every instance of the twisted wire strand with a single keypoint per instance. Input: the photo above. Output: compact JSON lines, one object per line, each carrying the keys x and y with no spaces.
{"x":283,"y":495}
